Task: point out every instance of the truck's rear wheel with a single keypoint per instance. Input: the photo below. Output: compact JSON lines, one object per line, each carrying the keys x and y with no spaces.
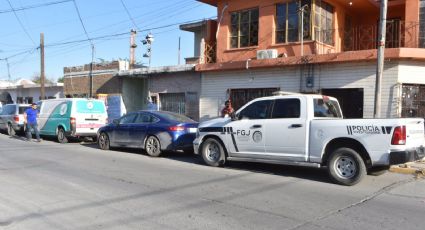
{"x":212,"y":152}
{"x":346,"y":166}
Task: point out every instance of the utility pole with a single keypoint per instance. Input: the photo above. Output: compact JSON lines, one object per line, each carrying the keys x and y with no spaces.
{"x":380,"y":57}
{"x":91,"y":73}
{"x":42,"y":77}
{"x":132,"y":48}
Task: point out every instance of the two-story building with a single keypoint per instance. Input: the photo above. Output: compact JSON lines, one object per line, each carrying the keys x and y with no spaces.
{"x":315,"y":46}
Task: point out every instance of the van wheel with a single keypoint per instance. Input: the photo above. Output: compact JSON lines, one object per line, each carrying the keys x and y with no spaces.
{"x":212,"y":152}
{"x":346,"y":166}
{"x":10,"y":130}
{"x":61,"y":136}
{"x":103,"y":141}
{"x":153,"y":146}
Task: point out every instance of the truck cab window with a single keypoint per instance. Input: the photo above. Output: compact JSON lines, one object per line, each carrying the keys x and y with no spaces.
{"x":326,"y":108}
{"x":256,"y":110}
{"x":286,"y":108}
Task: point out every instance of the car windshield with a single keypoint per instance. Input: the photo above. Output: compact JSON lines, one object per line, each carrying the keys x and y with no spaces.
{"x":326,"y":108}
{"x":174,"y":117}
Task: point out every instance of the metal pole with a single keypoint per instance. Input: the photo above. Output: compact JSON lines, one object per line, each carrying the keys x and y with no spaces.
{"x":178,"y":62}
{"x":380,"y":58}
{"x":8,"y":68}
{"x":302,"y":30}
{"x":42,"y":77}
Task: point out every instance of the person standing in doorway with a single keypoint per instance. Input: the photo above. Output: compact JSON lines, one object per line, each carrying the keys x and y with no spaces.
{"x":227,"y":110}
{"x":30,"y":120}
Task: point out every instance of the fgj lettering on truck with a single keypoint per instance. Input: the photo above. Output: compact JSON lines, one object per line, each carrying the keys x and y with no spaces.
{"x":309,"y":130}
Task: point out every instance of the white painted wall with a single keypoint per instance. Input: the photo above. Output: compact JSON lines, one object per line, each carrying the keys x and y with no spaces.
{"x":337,"y":75}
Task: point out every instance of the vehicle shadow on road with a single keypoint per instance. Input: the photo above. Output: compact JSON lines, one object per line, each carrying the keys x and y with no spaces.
{"x":313,"y":174}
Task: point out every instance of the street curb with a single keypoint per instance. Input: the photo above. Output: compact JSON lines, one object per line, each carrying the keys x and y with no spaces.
{"x":415,"y":168}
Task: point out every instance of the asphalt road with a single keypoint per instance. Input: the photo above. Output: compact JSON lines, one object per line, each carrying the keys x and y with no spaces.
{"x":77,"y":186}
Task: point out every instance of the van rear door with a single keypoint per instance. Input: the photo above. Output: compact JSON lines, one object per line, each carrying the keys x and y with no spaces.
{"x":89,"y":116}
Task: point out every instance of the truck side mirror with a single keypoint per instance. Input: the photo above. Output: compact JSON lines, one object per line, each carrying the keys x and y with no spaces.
{"x":234,"y":116}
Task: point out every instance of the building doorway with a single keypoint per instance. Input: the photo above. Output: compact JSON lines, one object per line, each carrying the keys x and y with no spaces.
{"x":350,"y":100}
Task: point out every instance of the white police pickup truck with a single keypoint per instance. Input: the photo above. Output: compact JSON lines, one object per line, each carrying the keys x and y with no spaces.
{"x":309,"y":130}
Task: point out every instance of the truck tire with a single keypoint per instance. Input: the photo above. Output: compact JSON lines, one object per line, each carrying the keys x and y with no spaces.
{"x":61,"y":136}
{"x":212,"y":152}
{"x":346,"y":167}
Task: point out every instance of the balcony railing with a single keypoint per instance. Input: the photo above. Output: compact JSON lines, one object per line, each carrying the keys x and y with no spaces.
{"x":399,"y":34}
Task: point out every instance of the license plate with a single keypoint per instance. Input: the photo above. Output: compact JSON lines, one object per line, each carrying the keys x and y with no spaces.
{"x":193,"y":130}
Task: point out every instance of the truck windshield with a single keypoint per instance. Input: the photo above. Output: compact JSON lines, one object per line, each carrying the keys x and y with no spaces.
{"x":326,"y":108}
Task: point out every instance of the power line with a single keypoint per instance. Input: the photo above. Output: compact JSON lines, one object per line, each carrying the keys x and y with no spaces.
{"x":82,"y":23}
{"x":129,"y":15}
{"x":20,"y":23}
{"x":34,"y":6}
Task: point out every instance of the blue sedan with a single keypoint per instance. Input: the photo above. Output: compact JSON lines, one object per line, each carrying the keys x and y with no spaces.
{"x":154,"y":131}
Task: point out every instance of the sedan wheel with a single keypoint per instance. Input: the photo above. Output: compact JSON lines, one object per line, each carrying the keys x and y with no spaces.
{"x":103,"y":141}
{"x":153,"y":146}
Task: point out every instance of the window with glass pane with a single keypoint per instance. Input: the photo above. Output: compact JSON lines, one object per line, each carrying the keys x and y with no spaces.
{"x":256,"y":110}
{"x":286,"y":108}
{"x":244,"y":28}
{"x":324,"y":22}
{"x":288,"y":21}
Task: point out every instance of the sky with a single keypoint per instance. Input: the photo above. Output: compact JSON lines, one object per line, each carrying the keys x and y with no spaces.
{"x":107,"y":23}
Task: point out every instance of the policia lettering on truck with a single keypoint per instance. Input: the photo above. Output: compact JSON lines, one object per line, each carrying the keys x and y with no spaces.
{"x":368,"y":129}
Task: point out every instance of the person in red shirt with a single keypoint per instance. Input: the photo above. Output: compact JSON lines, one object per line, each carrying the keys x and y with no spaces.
{"x":227,"y":110}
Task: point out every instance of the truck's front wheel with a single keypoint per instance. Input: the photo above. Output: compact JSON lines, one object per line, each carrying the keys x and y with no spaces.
{"x":346,"y":166}
{"x":212,"y":152}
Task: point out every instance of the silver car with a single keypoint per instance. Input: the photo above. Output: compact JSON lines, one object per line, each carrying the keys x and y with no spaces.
{"x":12,"y":118}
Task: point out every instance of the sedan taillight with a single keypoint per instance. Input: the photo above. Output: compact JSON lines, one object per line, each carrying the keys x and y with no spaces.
{"x":176,"y":128}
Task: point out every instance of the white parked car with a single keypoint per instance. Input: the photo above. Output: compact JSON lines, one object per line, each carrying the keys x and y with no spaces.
{"x":309,"y":130}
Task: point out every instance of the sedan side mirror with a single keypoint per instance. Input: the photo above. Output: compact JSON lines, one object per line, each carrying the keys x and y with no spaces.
{"x":116,"y":121}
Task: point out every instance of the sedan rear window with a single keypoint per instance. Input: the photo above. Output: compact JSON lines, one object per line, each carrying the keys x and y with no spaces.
{"x":175,"y":117}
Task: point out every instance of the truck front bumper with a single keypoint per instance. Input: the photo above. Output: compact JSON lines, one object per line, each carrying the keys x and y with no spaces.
{"x":196,"y":144}
{"x":400,"y":157}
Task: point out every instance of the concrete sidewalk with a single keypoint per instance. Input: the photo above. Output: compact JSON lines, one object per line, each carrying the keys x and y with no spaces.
{"x":416,"y":168}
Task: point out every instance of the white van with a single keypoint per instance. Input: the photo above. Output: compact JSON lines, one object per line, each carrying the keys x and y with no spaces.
{"x":71,"y":117}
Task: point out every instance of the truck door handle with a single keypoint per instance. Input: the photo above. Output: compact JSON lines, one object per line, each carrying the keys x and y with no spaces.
{"x":256,"y":126}
{"x":296,"y":125}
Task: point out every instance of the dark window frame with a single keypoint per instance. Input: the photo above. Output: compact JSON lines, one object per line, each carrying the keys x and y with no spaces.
{"x":250,"y":31}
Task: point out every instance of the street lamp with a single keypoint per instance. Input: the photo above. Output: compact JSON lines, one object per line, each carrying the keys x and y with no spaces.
{"x":148,"y":41}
